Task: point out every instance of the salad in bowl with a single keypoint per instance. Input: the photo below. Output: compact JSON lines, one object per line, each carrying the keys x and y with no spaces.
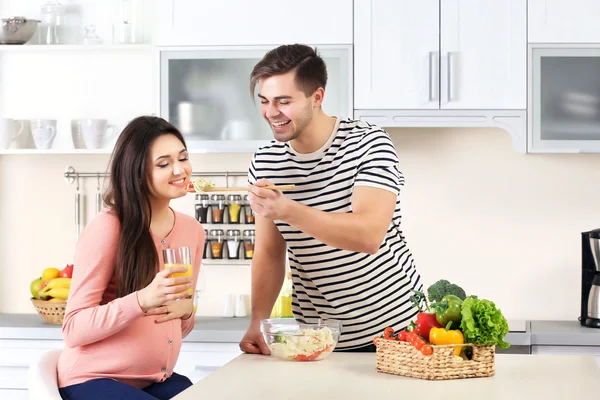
{"x":292,"y":340}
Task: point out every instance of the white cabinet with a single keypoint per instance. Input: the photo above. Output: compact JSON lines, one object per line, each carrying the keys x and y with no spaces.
{"x":204,"y":91}
{"x":453,"y":55}
{"x":242,"y":22}
{"x":561,"y":21}
{"x":483,"y":54}
{"x":396,"y":54}
{"x":196,"y":360}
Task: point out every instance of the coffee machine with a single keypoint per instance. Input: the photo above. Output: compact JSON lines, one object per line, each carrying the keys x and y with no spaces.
{"x":590,"y":279}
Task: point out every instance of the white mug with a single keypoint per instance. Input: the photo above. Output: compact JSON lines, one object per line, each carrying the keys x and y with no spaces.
{"x":43,"y":132}
{"x":94,"y":132}
{"x":8,"y":131}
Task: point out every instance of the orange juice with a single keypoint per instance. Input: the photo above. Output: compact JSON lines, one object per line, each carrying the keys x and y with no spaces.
{"x":187,"y":273}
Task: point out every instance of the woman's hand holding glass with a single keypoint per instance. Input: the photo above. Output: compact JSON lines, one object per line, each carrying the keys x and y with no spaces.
{"x":164,"y":288}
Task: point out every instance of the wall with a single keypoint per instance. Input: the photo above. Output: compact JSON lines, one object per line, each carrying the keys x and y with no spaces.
{"x":504,"y":225}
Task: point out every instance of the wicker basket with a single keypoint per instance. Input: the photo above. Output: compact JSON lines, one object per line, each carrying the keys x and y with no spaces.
{"x":52,"y":312}
{"x":401,"y":358}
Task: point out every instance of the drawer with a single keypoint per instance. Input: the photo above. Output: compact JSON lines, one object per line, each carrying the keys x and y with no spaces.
{"x":10,"y":394}
{"x":13,"y":377}
{"x":566,"y":350}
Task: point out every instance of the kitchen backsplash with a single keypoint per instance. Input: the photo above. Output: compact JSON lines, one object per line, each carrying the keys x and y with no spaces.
{"x":504,"y":225}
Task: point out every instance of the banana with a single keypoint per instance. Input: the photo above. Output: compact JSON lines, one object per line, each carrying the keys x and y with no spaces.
{"x":56,"y":300}
{"x":57,"y":293}
{"x":57,"y":283}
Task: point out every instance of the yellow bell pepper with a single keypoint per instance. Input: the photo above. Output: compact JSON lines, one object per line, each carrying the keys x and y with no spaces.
{"x":441,"y":336}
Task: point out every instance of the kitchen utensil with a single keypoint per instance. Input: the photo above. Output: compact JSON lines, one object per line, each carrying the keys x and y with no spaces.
{"x":17,"y":30}
{"x":8,"y":131}
{"x":590,"y":279}
{"x":98,"y":196}
{"x":291,"y":340}
{"x":77,"y":208}
{"x":43,"y":132}
{"x":241,"y":189}
{"x":200,"y":119}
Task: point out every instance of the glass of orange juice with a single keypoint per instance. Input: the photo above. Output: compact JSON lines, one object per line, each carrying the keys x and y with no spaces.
{"x":179,"y":257}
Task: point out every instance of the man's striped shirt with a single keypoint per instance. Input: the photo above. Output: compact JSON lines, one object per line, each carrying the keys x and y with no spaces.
{"x":366,"y":292}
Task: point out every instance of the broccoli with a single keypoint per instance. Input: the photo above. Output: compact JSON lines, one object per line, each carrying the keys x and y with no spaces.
{"x":442,"y":288}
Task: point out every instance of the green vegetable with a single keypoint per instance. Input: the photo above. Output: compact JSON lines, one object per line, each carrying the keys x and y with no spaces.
{"x":482,"y":323}
{"x":279,"y":338}
{"x":448,"y":311}
{"x":442,"y":288}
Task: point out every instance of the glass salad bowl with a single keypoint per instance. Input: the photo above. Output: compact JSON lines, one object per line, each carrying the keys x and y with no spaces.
{"x":291,"y":340}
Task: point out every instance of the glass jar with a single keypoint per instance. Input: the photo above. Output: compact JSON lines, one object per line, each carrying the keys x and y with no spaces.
{"x":52,"y":29}
{"x":234,"y":207}
{"x":248,"y":213}
{"x":249,"y":239}
{"x":218,"y":208}
{"x":233,"y":244}
{"x":217,"y":237}
{"x":202,"y":206}
{"x":126,"y":29}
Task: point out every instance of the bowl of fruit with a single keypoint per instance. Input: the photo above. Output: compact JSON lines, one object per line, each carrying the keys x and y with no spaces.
{"x":50,"y":293}
{"x":291,"y":340}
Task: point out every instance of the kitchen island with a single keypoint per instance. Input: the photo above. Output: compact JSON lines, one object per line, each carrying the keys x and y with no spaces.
{"x":353,"y":376}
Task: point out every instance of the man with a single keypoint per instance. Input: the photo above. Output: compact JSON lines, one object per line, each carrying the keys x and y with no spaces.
{"x":340,"y":226}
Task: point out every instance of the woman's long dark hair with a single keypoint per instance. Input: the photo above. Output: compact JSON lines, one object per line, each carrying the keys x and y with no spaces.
{"x":129,"y":198}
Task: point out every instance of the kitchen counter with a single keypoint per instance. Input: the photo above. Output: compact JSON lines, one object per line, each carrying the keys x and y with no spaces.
{"x":231,"y":330}
{"x":353,"y":376}
{"x":206,"y":329}
{"x":563,"y":333}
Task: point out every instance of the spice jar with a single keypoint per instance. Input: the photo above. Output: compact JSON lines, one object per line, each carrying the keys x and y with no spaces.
{"x":249,"y":239}
{"x":233,"y":244}
{"x":218,"y":208}
{"x":248,"y":213}
{"x":202,"y":206}
{"x":217,"y":238}
{"x":235,"y":208}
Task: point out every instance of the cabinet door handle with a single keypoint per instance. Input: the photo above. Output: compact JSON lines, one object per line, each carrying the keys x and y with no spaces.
{"x":433,"y":76}
{"x":451,"y":85}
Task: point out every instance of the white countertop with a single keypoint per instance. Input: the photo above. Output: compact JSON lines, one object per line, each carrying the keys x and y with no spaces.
{"x":353,"y":376}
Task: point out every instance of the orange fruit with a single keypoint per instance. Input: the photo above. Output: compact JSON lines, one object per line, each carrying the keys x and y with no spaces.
{"x":50,"y":273}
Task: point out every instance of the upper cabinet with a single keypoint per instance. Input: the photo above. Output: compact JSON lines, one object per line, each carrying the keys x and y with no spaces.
{"x":456,"y":55}
{"x":396,"y":54}
{"x":432,"y":63}
{"x":561,"y":21}
{"x":205,"y":92}
{"x":241,"y":22}
{"x":483,"y":54}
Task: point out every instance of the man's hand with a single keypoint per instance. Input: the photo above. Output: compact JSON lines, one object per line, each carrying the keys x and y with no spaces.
{"x":253,"y":341}
{"x":267,"y":203}
{"x":174,"y":309}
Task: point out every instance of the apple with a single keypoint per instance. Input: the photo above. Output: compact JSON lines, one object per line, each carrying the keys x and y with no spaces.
{"x":66,"y":272}
{"x":35,"y":287}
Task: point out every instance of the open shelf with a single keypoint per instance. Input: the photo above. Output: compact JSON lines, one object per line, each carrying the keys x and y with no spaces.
{"x":74,"y":47}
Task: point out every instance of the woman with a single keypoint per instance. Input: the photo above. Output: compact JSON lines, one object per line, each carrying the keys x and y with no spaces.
{"x":125,"y":316}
